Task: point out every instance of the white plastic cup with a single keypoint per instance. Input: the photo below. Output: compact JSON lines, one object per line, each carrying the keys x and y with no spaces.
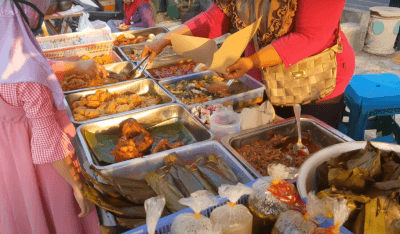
{"x":223,"y":123}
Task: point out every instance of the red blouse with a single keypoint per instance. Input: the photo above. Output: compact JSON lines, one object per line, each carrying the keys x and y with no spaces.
{"x":313,"y":30}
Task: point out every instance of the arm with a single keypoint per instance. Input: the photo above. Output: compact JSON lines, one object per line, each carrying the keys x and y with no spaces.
{"x":211,"y":24}
{"x":315,"y":26}
{"x":49,"y":144}
{"x":146,"y":15}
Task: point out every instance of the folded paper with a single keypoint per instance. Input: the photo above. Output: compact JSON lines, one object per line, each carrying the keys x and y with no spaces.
{"x":206,"y":51}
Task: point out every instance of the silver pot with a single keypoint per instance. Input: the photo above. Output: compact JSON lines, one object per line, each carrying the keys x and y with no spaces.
{"x":64,"y":5}
{"x":306,"y":180}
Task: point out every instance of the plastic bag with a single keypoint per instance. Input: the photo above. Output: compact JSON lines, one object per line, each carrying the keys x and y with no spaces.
{"x":195,"y":223}
{"x":233,"y":218}
{"x":340,"y":213}
{"x":154,"y":207}
{"x":98,"y":24}
{"x":292,"y":221}
{"x":84,"y":23}
{"x":272,"y":196}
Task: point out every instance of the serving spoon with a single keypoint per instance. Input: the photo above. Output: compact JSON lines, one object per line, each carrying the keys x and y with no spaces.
{"x":299,"y":145}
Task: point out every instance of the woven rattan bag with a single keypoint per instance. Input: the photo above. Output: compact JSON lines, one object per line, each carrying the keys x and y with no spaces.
{"x":311,"y":79}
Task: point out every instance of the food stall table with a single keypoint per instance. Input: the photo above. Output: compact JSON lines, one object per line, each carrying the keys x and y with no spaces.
{"x":57,"y":31}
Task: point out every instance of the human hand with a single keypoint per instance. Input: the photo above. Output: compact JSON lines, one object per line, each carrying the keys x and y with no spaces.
{"x":85,"y":205}
{"x":154,"y":48}
{"x":89,"y":67}
{"x":238,"y":69}
{"x":124,"y":27}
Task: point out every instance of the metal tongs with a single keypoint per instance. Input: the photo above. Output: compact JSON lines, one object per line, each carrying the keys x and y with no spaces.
{"x":145,"y":60}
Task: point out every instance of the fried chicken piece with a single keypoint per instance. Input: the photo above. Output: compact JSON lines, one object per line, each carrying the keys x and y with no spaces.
{"x":125,"y":149}
{"x":132,"y":128}
{"x":80,"y":110}
{"x":98,"y":93}
{"x":153,"y":101}
{"x":91,"y":114}
{"x":103,"y":106}
{"x":111,"y":107}
{"x":105,"y":97}
{"x":135,"y":100}
{"x":123,"y":100}
{"x":123,"y":108}
{"x":79,"y":117}
{"x":77,"y":104}
{"x":164,"y":145}
{"x":93,"y":104}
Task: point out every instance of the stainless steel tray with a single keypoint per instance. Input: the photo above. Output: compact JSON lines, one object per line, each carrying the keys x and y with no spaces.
{"x":122,"y":68}
{"x":137,"y":169}
{"x":141,"y":86}
{"x":124,"y":51}
{"x":321,"y":133}
{"x":165,"y":61}
{"x":144,"y":32}
{"x":238,"y":101}
{"x":165,"y":114}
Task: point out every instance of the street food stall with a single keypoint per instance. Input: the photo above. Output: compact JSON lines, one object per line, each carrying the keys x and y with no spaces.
{"x":148,"y":136}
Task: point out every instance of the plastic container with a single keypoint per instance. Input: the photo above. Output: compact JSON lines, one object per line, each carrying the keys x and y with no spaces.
{"x":382,"y":30}
{"x":224,"y":122}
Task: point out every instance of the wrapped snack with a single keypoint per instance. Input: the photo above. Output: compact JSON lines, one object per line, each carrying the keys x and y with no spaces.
{"x":270,"y":197}
{"x":233,"y":218}
{"x":340,"y":213}
{"x":154,"y":207}
{"x":292,"y":221}
{"x":195,"y":223}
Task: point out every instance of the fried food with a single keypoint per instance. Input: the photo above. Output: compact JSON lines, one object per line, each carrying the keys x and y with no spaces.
{"x":79,"y":117}
{"x":103,"y":103}
{"x":131,"y":39}
{"x":164,"y":145}
{"x":105,"y":59}
{"x":134,"y":142}
{"x":74,"y":82}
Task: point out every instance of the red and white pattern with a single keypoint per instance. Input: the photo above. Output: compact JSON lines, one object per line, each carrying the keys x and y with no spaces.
{"x":48,"y":142}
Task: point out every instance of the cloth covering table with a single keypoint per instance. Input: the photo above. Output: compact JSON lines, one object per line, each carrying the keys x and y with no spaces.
{"x":371,"y":95}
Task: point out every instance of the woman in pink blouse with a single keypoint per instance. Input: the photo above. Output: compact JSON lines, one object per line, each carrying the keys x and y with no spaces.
{"x":40,"y":185}
{"x":308,"y":28}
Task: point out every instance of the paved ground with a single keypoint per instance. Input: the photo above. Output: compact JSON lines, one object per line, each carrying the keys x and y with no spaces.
{"x":366,"y":4}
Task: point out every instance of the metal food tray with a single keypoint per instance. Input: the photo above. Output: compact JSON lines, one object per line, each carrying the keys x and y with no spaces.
{"x":143,"y":32}
{"x":141,"y":86}
{"x":321,"y":133}
{"x":165,"y":62}
{"x":168,"y":113}
{"x":137,"y":169}
{"x":122,"y":68}
{"x":122,"y":50}
{"x":77,"y":56}
{"x":238,"y":101}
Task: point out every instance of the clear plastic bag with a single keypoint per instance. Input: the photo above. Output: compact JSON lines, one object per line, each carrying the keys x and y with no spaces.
{"x":340,"y":213}
{"x":292,"y":221}
{"x":154,"y":207}
{"x":272,"y":196}
{"x":233,"y":218}
{"x":195,"y":223}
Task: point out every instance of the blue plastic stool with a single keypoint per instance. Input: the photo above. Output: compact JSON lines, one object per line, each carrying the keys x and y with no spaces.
{"x":370,"y":95}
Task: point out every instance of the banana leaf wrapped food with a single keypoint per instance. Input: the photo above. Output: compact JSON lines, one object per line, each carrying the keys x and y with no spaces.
{"x":194,"y":169}
{"x":163,"y":184}
{"x":183,"y":178}
{"x":215,"y":171}
{"x":272,"y":196}
{"x":362,"y":176}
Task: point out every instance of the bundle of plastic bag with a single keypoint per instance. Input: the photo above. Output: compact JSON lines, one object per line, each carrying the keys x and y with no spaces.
{"x":292,"y":221}
{"x":154,"y":207}
{"x":340,"y":213}
{"x":233,"y":218}
{"x":195,"y":223}
{"x":272,"y":196}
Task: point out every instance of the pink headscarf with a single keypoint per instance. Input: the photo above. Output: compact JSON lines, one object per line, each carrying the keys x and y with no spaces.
{"x":23,"y":59}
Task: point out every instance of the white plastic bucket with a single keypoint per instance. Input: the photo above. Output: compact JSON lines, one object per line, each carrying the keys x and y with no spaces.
{"x":382,"y":30}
